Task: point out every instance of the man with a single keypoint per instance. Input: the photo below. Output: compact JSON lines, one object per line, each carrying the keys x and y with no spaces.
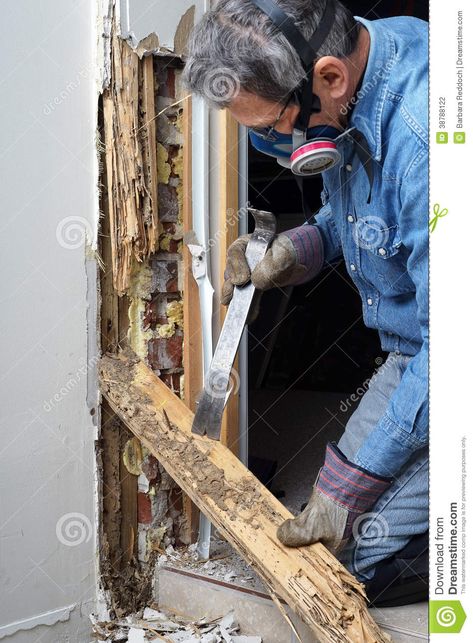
{"x":369,"y":91}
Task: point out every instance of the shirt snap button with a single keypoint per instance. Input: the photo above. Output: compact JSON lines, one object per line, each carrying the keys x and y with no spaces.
{"x":353,"y":267}
{"x":348,"y":167}
{"x":382,"y":251}
{"x":350,"y":218}
{"x":369,"y":301}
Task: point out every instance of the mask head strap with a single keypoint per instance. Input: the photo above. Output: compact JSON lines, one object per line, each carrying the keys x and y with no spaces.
{"x":307,"y":51}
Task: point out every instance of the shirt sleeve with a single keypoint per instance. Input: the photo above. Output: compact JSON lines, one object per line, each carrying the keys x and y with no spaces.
{"x":325,"y":224}
{"x":404,"y":427}
{"x":316,"y":243}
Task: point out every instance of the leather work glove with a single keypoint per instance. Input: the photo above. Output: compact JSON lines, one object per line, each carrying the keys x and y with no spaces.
{"x":342,"y":492}
{"x":294,"y":257}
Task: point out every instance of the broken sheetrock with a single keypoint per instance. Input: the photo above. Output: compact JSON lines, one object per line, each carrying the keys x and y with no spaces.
{"x":147,"y":46}
{"x":173,"y":27}
{"x":154,"y":625}
{"x":225,"y":564}
{"x":136,"y":635}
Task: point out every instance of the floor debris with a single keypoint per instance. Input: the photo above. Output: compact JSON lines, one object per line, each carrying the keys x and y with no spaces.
{"x":153,"y":625}
{"x":224,"y":564}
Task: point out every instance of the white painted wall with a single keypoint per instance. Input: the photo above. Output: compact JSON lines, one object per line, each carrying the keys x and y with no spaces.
{"x":48,"y":201}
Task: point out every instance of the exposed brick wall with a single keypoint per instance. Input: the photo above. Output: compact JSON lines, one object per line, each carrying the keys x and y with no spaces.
{"x":163,"y":312}
{"x":156,"y":315}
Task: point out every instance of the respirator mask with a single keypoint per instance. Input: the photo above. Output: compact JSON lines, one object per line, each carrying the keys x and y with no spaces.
{"x":308,"y":150}
{"x":314,"y":155}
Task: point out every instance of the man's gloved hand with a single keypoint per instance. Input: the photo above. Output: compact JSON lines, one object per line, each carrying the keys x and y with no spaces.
{"x":342,"y":492}
{"x":294,"y":257}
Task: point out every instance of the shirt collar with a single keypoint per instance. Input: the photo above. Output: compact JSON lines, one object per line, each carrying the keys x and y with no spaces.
{"x":369,"y":102}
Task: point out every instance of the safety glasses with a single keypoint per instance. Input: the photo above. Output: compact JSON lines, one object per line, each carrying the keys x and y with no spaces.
{"x":267,"y":133}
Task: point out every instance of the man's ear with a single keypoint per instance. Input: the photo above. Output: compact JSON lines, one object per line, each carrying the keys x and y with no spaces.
{"x":331,"y":77}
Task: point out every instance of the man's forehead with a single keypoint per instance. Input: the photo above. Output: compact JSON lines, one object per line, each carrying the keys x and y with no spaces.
{"x":252,"y":110}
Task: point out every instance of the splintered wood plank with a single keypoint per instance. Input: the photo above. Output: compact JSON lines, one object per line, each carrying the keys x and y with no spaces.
{"x":130,"y":160}
{"x":120,"y":488}
{"x":312,"y":581}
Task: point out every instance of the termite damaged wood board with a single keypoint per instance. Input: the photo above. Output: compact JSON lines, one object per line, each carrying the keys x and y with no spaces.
{"x":312,"y":581}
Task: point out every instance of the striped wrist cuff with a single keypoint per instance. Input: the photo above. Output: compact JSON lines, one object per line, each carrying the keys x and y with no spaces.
{"x":348,"y":484}
{"x":309,"y":247}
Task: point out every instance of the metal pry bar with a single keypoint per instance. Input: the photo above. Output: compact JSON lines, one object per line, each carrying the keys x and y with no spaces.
{"x":212,"y":400}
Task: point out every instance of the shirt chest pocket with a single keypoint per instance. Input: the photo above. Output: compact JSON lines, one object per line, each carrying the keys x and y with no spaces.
{"x":383,"y":258}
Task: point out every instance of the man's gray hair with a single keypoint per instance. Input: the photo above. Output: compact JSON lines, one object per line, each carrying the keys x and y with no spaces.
{"x":236,"y":46}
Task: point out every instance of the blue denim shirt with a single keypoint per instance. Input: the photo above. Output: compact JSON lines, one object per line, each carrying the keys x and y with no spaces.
{"x":384,"y":243}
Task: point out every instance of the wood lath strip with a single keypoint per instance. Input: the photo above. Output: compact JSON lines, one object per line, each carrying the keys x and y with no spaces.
{"x":192,"y":351}
{"x":228,"y":225}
